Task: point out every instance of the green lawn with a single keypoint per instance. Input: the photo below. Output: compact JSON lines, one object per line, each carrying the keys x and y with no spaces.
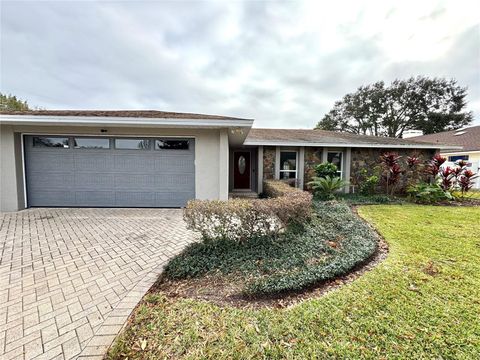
{"x":423,"y":301}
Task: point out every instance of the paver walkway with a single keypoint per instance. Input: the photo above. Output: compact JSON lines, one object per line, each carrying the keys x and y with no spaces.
{"x":69,"y":278}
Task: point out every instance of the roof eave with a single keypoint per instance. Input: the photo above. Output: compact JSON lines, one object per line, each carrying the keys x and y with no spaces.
{"x":353,"y":145}
{"x":50,"y":120}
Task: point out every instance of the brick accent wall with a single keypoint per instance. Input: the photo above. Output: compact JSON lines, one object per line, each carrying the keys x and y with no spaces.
{"x":269,"y":162}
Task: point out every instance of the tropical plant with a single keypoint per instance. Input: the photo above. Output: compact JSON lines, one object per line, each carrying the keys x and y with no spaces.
{"x":368,"y":186}
{"x":391,"y":171}
{"x":428,"y":193}
{"x":465,"y":180}
{"x":434,"y":166}
{"x":326,"y":169}
{"x":326,"y":187}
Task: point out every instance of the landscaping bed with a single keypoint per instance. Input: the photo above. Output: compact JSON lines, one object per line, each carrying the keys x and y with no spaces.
{"x":420,"y":302}
{"x":263,"y":270}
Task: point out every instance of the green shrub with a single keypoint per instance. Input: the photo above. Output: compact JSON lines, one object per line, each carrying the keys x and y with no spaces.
{"x":368,"y":186}
{"x":241,"y":219}
{"x":331,"y":244}
{"x":326,"y":187}
{"x":359,"y":199}
{"x":326,"y":169}
{"x":428,"y":193}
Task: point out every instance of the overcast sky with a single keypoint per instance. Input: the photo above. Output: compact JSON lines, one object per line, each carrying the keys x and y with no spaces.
{"x":282,"y":63}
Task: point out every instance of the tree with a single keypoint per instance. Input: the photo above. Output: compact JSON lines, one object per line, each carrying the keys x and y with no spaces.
{"x":10,"y":102}
{"x":418,"y":103}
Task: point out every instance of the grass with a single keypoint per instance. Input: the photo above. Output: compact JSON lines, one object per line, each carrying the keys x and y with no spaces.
{"x":330,"y":245}
{"x":423,"y":302}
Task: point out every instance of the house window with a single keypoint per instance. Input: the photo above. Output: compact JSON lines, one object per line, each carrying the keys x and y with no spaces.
{"x":454,"y":158}
{"x":336,"y":158}
{"x":132,"y":144}
{"x":171,"y":144}
{"x":47,"y":141}
{"x":288,"y":165}
{"x":91,"y":143}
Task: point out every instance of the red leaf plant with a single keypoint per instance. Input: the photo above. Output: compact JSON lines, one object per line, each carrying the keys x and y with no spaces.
{"x":465,"y":180}
{"x":392,"y":170}
{"x":413,"y":161}
{"x":434,"y":165}
{"x":447,"y":178}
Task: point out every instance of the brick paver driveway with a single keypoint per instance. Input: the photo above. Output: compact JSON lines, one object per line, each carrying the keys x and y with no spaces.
{"x":69,"y":278}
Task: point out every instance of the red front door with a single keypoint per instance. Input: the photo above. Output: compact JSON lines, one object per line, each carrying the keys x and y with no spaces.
{"x":241,"y":170}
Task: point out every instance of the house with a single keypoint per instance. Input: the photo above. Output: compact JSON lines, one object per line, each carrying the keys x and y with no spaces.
{"x":163,"y":159}
{"x":469,"y":141}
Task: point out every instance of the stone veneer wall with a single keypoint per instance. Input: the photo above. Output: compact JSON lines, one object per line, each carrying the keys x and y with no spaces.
{"x":362,"y":158}
{"x":369,"y":159}
{"x":269,"y":154}
{"x":313,"y":156}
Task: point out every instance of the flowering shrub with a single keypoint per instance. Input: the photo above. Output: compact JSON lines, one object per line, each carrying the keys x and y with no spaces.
{"x":241,"y":219}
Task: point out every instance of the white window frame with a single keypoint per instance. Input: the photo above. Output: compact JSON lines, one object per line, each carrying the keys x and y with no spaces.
{"x":342,"y":160}
{"x":280,"y":171}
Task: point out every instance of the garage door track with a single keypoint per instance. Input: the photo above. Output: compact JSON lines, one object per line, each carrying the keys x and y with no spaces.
{"x":69,"y":278}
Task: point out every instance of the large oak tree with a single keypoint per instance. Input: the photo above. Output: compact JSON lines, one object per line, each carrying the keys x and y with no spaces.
{"x":418,"y":103}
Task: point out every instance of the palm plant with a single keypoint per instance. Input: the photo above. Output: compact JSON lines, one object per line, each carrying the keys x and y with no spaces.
{"x":327,"y":186}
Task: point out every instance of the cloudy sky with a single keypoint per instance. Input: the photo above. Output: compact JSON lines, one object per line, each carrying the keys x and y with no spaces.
{"x":282,"y":63}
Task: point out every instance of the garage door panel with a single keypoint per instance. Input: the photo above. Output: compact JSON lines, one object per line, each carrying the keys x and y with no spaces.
{"x":169,"y":200}
{"x":181,"y":182}
{"x":134,"y":198}
{"x":175,"y":164}
{"x":95,"y":198}
{"x":135,"y":181}
{"x":91,"y":161}
{"x":51,"y":180}
{"x":91,"y":180}
{"x":109,"y":177}
{"x":51,"y":198}
{"x":47,"y":161}
{"x":132,"y":163}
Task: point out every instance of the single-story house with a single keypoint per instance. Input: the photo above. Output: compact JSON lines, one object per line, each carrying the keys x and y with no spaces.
{"x":469,"y":141}
{"x":163,"y":159}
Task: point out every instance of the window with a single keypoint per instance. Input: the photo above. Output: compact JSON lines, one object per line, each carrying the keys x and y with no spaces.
{"x":91,"y":143}
{"x":288,"y":165}
{"x":46,"y":141}
{"x":454,"y":158}
{"x":336,"y":158}
{"x":132,"y":144}
{"x":171,"y":144}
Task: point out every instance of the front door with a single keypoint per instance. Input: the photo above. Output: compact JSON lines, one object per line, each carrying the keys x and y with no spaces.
{"x":241,"y":172}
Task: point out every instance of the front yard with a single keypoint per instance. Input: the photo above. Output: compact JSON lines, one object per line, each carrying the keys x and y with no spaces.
{"x":423,"y":301}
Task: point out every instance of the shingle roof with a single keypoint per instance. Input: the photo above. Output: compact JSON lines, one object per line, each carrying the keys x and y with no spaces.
{"x":120,"y":113}
{"x":305,"y":136}
{"x":469,"y":138}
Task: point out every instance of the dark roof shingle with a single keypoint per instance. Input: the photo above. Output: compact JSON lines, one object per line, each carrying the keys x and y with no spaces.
{"x":469,"y":138}
{"x":323,"y":137}
{"x":120,"y":113}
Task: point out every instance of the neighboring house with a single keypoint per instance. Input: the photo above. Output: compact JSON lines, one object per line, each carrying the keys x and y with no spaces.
{"x":469,"y":141}
{"x":163,"y":159}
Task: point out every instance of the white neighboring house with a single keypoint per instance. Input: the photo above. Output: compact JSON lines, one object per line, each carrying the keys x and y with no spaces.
{"x":468,"y":138}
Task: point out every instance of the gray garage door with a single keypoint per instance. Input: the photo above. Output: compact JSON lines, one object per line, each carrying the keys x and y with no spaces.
{"x":109,"y":172}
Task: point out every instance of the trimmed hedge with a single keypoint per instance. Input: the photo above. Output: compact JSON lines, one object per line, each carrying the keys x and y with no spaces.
{"x":330,"y":245}
{"x":241,"y":219}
